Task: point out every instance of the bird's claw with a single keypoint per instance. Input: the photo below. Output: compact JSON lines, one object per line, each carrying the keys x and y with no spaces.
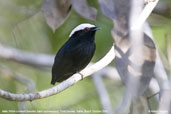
{"x":82,"y":76}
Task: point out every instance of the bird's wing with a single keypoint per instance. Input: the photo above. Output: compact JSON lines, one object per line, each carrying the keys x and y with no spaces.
{"x":62,"y":67}
{"x":71,"y":59}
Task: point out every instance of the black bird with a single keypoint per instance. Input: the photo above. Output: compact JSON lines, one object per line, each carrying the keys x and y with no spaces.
{"x":75,"y":54}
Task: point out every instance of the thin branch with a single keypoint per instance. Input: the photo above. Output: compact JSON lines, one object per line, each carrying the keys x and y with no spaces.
{"x":137,"y":20}
{"x":163,"y":81}
{"x":33,"y":59}
{"x":61,"y":86}
{"x":154,"y":87}
{"x":112,"y":74}
{"x":165,"y":102}
{"x":160,"y":73}
{"x":30,"y":84}
{"x":19,"y":77}
{"x":145,"y":14}
{"x":102,"y":92}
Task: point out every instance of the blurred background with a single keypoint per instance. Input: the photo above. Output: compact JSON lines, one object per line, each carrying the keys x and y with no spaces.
{"x":23,"y":26}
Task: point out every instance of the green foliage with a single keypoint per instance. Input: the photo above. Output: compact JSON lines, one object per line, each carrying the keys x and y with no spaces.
{"x":160,"y":37}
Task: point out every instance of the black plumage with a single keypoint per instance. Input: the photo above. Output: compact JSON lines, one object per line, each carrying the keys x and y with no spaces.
{"x":74,"y":55}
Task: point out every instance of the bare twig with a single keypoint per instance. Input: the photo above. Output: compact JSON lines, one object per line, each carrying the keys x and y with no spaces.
{"x":102,"y":92}
{"x":19,"y":77}
{"x":137,"y":20}
{"x":154,"y":87}
{"x":145,"y":14}
{"x":62,"y":86}
{"x":22,"y":79}
{"x":160,"y":73}
{"x":162,"y":79}
{"x":165,"y":86}
{"x":112,"y":74}
{"x":165,"y":102}
{"x":33,"y":59}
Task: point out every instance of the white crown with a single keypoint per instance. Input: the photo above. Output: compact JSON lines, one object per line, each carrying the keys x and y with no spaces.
{"x":81,"y":27}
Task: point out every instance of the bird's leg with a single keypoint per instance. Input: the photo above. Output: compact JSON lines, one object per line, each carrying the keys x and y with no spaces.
{"x":82,"y":76}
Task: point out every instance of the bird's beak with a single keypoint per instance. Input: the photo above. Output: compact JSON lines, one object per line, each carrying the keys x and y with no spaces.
{"x":95,"y":28}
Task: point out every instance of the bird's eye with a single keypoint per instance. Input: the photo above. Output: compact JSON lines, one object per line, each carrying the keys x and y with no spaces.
{"x":86,"y":29}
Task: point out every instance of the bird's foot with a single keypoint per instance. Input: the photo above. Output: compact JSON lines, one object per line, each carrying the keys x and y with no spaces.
{"x":82,"y":76}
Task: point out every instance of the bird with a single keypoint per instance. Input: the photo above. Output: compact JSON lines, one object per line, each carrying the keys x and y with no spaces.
{"x":76,"y":53}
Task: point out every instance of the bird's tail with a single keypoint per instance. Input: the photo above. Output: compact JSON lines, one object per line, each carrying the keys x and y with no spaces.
{"x":53,"y":82}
